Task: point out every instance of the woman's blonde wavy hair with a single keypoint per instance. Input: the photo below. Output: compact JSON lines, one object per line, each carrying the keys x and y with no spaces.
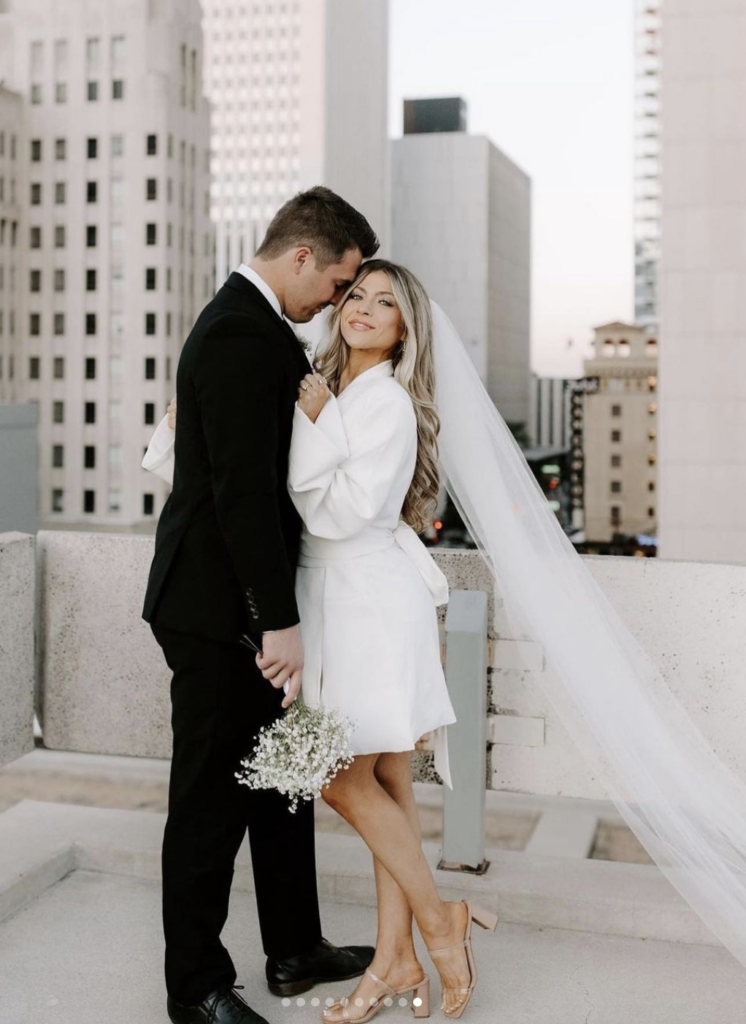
{"x":413,"y":369}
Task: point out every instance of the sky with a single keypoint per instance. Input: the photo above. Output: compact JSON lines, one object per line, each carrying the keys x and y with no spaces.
{"x":550,"y":82}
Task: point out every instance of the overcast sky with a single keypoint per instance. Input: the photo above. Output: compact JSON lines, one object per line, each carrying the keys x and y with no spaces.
{"x":551,"y":83}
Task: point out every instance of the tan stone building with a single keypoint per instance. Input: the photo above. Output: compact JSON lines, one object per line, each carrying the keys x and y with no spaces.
{"x":620,"y":423}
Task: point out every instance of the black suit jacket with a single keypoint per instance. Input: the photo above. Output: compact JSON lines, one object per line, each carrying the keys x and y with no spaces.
{"x":227,"y":541}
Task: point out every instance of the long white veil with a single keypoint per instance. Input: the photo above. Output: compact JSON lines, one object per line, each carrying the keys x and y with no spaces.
{"x":683,"y":804}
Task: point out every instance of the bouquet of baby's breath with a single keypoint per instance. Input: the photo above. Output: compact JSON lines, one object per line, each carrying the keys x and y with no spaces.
{"x":300,"y":753}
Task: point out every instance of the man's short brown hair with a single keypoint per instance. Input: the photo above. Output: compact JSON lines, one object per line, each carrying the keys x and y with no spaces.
{"x":323,"y":221}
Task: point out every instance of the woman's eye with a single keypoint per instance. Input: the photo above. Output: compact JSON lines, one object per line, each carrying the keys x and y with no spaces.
{"x":385,"y":302}
{"x":354,"y":295}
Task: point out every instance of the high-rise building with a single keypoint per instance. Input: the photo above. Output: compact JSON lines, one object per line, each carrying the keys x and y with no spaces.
{"x":117,"y":246}
{"x":702,"y":278}
{"x":299,"y":93}
{"x":549,"y":419}
{"x":461,"y":220}
{"x":647,"y":233}
{"x":619,"y":433}
{"x":13,"y":178}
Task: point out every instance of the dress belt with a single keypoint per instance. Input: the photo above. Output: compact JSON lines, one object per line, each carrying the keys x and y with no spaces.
{"x":319,"y":553}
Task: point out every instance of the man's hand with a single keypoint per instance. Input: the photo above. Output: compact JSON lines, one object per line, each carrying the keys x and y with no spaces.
{"x":282,"y":661}
{"x":171,"y":413}
{"x":313,"y":395}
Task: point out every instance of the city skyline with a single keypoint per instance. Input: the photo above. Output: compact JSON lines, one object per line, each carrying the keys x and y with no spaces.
{"x":553,"y":87}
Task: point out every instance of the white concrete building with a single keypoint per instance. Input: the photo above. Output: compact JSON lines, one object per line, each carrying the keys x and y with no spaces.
{"x":647,"y":227}
{"x":13,"y":176}
{"x":299,"y":93}
{"x":461,"y":219}
{"x":703,"y":276}
{"x":620,"y":433}
{"x":118,"y":245}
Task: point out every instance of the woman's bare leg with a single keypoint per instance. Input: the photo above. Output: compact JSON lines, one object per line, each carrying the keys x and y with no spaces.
{"x":361,"y":799}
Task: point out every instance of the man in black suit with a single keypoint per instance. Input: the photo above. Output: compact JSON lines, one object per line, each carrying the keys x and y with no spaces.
{"x":222,"y":582}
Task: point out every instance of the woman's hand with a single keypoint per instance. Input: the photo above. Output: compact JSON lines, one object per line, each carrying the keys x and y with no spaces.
{"x":313,"y":395}
{"x":171,"y":413}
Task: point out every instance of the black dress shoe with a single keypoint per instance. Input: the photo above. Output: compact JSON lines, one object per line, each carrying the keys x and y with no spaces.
{"x":322,"y":962}
{"x":223,"y":1006}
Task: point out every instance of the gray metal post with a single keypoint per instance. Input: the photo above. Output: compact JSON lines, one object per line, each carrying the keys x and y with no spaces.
{"x":466,"y":673}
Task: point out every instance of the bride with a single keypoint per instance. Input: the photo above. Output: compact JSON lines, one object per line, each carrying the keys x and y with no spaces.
{"x":395,"y":395}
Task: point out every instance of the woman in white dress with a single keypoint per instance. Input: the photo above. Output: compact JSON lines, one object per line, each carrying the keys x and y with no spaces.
{"x":363,"y":476}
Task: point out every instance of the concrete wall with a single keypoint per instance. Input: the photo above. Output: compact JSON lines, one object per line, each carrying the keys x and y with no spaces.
{"x":18,"y":468}
{"x":16,"y":646}
{"x":105,"y":686}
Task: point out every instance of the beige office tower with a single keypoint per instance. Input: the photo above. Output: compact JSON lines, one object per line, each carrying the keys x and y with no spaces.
{"x":117,"y":245}
{"x":620,"y":429}
{"x":299,"y":93}
{"x":13,"y":178}
{"x":703,"y":282}
{"x":647,"y":227}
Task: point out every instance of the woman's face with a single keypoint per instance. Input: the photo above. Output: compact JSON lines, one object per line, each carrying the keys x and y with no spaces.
{"x":371,"y":319}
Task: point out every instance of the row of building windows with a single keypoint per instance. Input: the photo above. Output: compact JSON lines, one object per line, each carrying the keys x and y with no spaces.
{"x":91,"y":324}
{"x":616,"y":410}
{"x":616,"y":514}
{"x":116,"y":148}
{"x":116,"y":235}
{"x":90,"y":368}
{"x":616,"y":486}
{"x":89,"y":502}
{"x":91,"y":277}
{"x":60,"y":191}
{"x":89,"y":412}
{"x":58,"y":368}
{"x":61,"y":91}
{"x":616,"y":435}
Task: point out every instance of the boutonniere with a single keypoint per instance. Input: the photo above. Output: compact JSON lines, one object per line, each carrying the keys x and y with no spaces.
{"x":304,"y":343}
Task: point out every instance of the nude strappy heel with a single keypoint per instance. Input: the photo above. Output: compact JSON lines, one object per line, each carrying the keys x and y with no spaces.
{"x":485,"y":919}
{"x":420,"y":1001}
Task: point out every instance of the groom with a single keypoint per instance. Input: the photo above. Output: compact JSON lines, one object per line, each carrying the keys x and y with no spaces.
{"x":221,"y":583}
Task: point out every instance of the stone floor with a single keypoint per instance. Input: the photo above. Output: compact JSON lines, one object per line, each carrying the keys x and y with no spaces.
{"x":88,"y":951}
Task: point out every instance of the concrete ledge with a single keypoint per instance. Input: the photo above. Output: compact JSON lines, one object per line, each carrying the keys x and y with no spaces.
{"x":48,"y":841}
{"x":17,"y":673}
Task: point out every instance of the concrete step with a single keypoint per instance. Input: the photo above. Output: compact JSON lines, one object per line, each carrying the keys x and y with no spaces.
{"x":40,"y":843}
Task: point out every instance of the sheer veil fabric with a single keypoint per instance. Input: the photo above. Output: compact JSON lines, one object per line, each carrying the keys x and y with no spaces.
{"x":681,"y":801}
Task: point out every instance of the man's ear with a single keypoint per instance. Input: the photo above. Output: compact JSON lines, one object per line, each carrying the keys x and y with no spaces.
{"x":301,"y":257}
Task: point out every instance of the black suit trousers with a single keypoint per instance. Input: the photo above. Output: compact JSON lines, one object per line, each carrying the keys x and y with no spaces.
{"x":219,"y":702}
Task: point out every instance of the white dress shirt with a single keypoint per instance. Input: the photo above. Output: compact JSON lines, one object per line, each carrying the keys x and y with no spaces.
{"x":261,"y":284}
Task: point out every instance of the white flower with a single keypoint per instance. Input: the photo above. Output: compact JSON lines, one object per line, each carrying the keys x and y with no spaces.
{"x":300,"y":753}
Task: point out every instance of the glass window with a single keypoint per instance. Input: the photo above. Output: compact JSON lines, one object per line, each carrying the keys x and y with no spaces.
{"x":57,"y":500}
{"x":92,"y":91}
{"x":90,"y":412}
{"x":58,"y":412}
{"x":34,"y":368}
{"x":36,"y":96}
{"x":59,"y":280}
{"x":35,"y":193}
{"x":150,"y":234}
{"x":59,"y":368}
{"x":89,"y":456}
{"x":90,"y":280}
{"x":35,"y":238}
{"x":89,"y":501}
{"x":59,"y":324}
{"x":60,"y":92}
{"x":91,"y":192}
{"x":59,"y":192}
{"x":36,"y":150}
{"x":35,"y":281}
{"x":60,"y":149}
{"x":117,"y":89}
{"x":148,"y":504}
{"x":150,"y":279}
{"x":93,"y":56}
{"x":151,"y":145}
{"x":34,"y":325}
{"x":92,"y":148}
{"x":117,"y":145}
{"x":59,"y":236}
{"x":149,"y":368}
{"x":149,"y":417}
{"x":90,"y":323}
{"x":151,"y":189}
{"x":90,"y":368}
{"x":58,"y":456}
{"x":150,"y":323}
{"x":90,"y":236}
